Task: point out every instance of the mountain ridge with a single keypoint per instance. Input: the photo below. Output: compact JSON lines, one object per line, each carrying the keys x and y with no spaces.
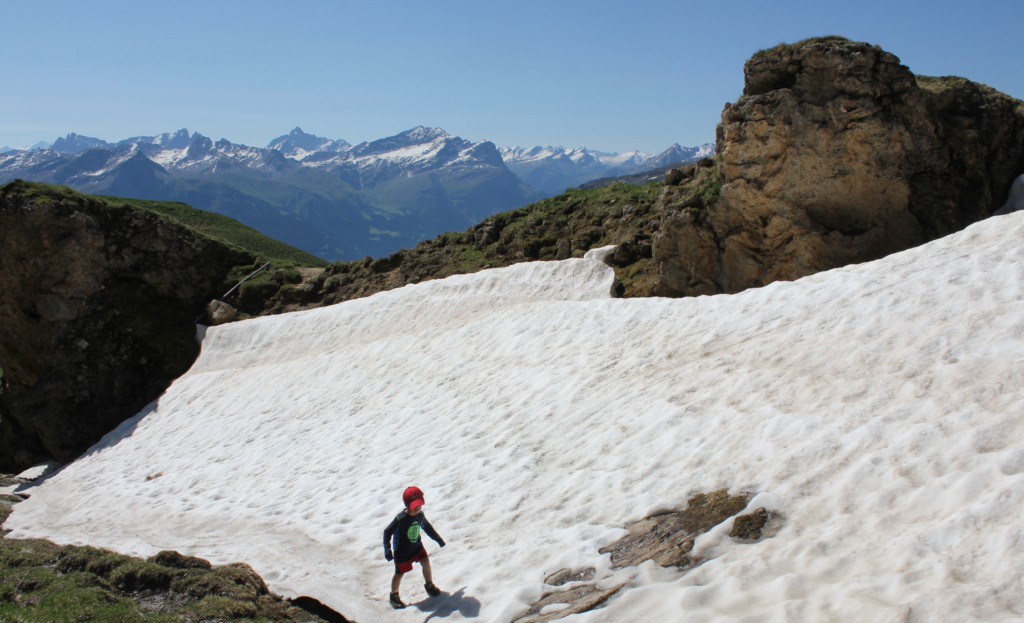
{"x":335,"y":200}
{"x":554,"y":169}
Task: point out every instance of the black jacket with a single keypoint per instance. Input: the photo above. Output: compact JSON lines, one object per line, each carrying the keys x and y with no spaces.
{"x":405,"y":532}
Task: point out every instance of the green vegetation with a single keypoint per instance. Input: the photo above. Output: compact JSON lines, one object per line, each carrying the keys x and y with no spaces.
{"x":223,"y":228}
{"x":944,"y":84}
{"x":216,"y":226}
{"x":709,"y":181}
{"x":41,"y":582}
{"x":941,"y":83}
{"x":784,"y":47}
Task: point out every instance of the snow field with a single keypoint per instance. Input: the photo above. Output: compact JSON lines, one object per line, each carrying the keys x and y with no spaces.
{"x":875,"y":408}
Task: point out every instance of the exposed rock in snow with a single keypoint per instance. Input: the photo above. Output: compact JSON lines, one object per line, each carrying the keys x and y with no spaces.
{"x":220,"y":312}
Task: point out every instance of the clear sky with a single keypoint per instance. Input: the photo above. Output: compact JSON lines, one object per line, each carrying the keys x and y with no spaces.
{"x":613,"y":76}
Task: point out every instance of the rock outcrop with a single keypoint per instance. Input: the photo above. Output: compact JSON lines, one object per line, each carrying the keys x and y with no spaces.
{"x":835,"y":154}
{"x":97,"y":315}
{"x":838,"y":154}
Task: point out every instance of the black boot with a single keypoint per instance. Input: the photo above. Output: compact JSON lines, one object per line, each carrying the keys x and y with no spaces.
{"x":396,"y":601}
{"x":432,"y":590}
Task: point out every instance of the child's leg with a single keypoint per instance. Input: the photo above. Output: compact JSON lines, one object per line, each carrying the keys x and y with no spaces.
{"x":427,"y":575}
{"x":396,"y":581}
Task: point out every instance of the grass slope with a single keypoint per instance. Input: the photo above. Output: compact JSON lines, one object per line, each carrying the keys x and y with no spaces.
{"x":216,"y":226}
{"x":220,"y":227}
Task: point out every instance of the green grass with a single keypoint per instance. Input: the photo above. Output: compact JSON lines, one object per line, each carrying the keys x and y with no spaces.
{"x":223,"y":228}
{"x":41,"y":582}
{"x":210,"y":225}
{"x":709,"y":182}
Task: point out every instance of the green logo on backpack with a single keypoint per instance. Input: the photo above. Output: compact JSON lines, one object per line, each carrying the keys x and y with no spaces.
{"x":414,"y":533}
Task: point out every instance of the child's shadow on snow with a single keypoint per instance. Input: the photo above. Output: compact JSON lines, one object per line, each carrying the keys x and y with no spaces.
{"x":445,"y":605}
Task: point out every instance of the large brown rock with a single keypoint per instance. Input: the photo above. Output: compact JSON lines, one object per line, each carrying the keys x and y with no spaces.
{"x":837,"y":154}
{"x":97,"y":313}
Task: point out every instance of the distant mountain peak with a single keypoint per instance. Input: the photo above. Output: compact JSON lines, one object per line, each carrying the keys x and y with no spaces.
{"x":298,"y":144}
{"x":552,"y":169}
{"x":423,"y":134}
{"x":75,"y":143}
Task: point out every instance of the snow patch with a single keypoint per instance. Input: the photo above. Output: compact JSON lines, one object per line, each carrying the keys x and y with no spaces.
{"x":877,"y":407}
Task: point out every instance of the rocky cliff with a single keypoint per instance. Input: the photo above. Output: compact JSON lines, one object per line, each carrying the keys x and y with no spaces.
{"x":97,"y":315}
{"x":837,"y":154}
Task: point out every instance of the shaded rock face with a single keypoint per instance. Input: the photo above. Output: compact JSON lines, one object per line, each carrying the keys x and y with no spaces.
{"x":96,"y":316}
{"x":838,"y":154}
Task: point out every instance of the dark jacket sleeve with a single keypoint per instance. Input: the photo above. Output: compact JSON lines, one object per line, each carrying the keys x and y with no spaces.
{"x":433,"y":533}
{"x":388,"y":533}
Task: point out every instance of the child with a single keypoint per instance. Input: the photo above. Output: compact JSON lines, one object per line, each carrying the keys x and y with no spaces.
{"x":408,"y":548}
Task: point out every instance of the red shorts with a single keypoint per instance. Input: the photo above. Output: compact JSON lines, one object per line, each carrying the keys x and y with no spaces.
{"x":406,"y":567}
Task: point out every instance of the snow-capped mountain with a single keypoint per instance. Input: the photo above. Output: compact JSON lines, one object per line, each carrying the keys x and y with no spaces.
{"x":175,"y":140}
{"x":327,"y":196}
{"x":579,"y":155}
{"x":297,"y":144}
{"x":553,"y":169}
{"x":76,"y":143}
{"x":675,"y":153}
{"x":372,"y":198}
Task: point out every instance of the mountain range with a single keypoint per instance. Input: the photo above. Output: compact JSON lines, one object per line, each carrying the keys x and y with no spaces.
{"x":327,"y":196}
{"x":553,"y":169}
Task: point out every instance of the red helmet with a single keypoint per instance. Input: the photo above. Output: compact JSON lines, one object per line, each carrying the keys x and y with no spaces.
{"x":412,"y":497}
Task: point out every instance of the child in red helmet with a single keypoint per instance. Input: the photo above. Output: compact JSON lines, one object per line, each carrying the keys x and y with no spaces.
{"x":405,"y":531}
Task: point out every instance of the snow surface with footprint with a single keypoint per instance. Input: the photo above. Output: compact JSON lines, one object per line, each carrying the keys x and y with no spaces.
{"x":878,"y":409}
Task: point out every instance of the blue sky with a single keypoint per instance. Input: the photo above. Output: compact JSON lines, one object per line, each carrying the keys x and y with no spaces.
{"x":613,"y":76}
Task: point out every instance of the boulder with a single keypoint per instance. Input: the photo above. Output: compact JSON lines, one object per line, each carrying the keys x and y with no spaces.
{"x":488,"y":232}
{"x":838,"y":154}
{"x":673,"y":177}
{"x":564,"y":250}
{"x":220,"y":312}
